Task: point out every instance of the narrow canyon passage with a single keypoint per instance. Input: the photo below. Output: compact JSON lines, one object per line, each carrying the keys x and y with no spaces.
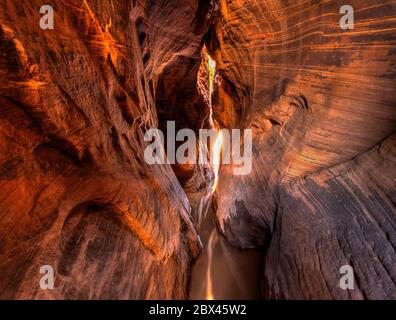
{"x":221,"y":271}
{"x":296,"y":190}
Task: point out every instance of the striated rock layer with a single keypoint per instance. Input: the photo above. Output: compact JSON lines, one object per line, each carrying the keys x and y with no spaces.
{"x":76,"y":193}
{"x":76,"y":101}
{"x":322,"y":105}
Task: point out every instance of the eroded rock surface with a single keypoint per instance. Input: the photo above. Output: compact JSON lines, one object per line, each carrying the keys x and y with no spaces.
{"x":75,"y":102}
{"x":322,"y":105}
{"x":76,"y":193}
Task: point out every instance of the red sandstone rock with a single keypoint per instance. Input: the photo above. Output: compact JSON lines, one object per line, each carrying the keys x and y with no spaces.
{"x":321,"y":102}
{"x":76,"y":192}
{"x":76,"y":101}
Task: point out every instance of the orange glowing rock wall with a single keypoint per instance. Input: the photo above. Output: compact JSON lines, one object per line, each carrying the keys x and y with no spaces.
{"x":76,"y":193}
{"x":75,"y":102}
{"x":322,"y":105}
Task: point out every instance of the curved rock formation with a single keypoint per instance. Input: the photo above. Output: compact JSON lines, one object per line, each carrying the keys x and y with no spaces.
{"x":76,"y":102}
{"x":321,"y":102}
{"x":76,"y":192}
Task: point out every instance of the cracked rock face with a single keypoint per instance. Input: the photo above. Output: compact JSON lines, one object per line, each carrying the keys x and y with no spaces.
{"x":77,"y":195}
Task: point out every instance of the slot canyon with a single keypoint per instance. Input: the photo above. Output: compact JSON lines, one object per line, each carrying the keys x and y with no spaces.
{"x":76,"y":101}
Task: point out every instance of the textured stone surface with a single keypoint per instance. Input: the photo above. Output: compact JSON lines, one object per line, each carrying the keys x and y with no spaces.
{"x":319,"y":100}
{"x":75,"y":191}
{"x":344,"y":215}
{"x":75,"y":102}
